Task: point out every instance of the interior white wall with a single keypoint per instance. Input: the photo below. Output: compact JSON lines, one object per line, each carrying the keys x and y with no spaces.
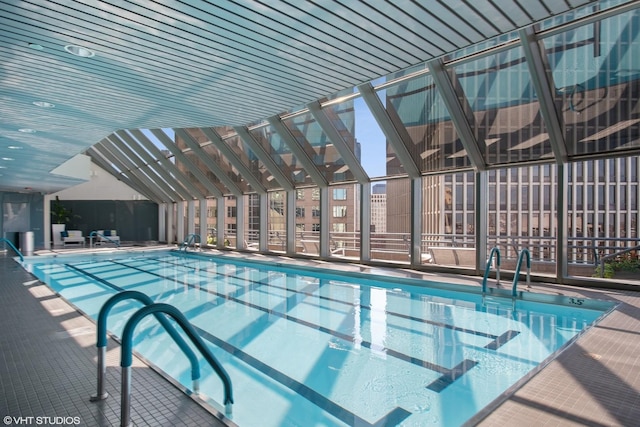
{"x":101,"y":186}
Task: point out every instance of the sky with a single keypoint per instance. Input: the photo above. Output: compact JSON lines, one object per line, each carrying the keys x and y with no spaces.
{"x":371,"y":139}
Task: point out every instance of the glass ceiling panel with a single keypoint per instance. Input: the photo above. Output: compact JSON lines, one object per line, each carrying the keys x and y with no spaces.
{"x":580,"y":13}
{"x":343,"y":118}
{"x":225,"y":131}
{"x":150,"y":169}
{"x":319,"y":148}
{"x":186,"y":170}
{"x":479,"y":47}
{"x":420,"y":108}
{"x":508,"y":123}
{"x":199,"y":163}
{"x":222,"y":161}
{"x":247,"y":156}
{"x":273,"y":144}
{"x":596,"y":73}
{"x":251,"y":161}
{"x":370,"y":144}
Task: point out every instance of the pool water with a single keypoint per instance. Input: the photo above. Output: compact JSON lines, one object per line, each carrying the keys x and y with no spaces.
{"x":306,"y":347}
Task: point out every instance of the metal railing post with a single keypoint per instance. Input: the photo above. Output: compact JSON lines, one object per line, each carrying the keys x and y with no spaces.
{"x":494,"y":251}
{"x":524,"y":252}
{"x":126,"y":358}
{"x":125,"y":401}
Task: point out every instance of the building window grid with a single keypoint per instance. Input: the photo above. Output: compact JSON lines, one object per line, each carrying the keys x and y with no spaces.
{"x":598,"y":219}
{"x":617,"y":219}
{"x":458,"y":218}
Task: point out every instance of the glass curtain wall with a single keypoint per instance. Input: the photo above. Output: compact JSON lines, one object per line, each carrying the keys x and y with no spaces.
{"x":597,"y":81}
{"x":448,"y":220}
{"x":595,"y":87}
{"x":394,"y":243}
{"x":277,"y":221}
{"x":344,"y":220}
{"x":212,"y":218}
{"x":603,"y":215}
{"x":252,"y":221}
{"x":522,"y":215}
{"x":307,"y":240}
{"x":231,"y":222}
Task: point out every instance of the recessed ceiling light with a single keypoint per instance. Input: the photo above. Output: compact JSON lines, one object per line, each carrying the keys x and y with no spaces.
{"x":14,"y":147}
{"x":7,"y":158}
{"x":43,"y":104}
{"x":35,"y":46}
{"x":26,"y":130}
{"x":79,"y":51}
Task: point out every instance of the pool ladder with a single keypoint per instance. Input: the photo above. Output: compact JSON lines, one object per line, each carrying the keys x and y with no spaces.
{"x":524,"y":253}
{"x":159,"y":310}
{"x":3,"y":239}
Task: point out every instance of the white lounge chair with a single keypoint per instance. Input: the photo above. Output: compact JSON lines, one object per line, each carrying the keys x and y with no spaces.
{"x":252,"y":246}
{"x":72,"y":236}
{"x":312,"y":247}
{"x":107,"y":236}
{"x":442,"y":255}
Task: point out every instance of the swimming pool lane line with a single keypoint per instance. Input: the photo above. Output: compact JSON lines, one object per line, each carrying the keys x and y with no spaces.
{"x":394,"y":417}
{"x":94,"y":277}
{"x":495,"y":343}
{"x":448,"y":375}
{"x":497,"y":340}
{"x":435,"y":386}
{"x":234,"y":296}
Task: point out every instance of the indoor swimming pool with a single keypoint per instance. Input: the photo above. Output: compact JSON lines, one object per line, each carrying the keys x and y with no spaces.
{"x":316,"y":347}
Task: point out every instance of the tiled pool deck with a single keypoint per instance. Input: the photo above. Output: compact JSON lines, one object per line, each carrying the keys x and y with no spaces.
{"x":48,"y":368}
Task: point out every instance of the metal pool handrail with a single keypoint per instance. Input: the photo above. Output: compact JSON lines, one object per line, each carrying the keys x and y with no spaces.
{"x":494,"y":251}
{"x":95,"y":233}
{"x":101,"y":342}
{"x":3,"y":239}
{"x":127,"y":348}
{"x":523,"y":252}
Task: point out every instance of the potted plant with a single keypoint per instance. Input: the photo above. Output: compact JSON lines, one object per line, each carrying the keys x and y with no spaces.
{"x":625,"y":266}
{"x":60,"y":215}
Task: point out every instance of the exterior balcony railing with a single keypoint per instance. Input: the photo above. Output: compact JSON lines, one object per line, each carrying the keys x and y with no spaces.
{"x":583,"y":253}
